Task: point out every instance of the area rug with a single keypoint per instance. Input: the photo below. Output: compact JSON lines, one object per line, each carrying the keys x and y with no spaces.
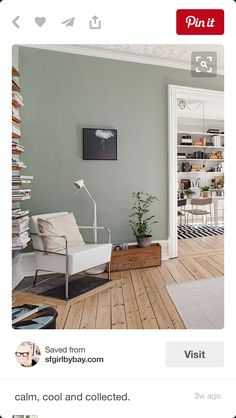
{"x":54,"y":286}
{"x":196,"y":231}
{"x":200,"y":303}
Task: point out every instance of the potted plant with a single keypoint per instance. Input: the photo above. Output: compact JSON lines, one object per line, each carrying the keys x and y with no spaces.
{"x":188,"y":193}
{"x":140,"y":218}
{"x":205,"y":191}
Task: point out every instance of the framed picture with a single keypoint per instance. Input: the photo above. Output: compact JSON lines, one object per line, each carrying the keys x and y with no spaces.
{"x":99,"y":144}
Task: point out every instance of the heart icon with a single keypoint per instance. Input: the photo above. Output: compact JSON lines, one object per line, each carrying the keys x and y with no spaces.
{"x":40,"y":21}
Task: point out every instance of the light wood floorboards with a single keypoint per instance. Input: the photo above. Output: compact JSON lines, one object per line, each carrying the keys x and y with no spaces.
{"x":138,"y":299}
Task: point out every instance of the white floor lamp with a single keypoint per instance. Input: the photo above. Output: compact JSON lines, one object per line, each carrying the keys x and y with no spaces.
{"x":79,"y":184}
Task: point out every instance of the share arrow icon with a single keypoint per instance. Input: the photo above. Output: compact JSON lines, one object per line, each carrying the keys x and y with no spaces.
{"x":69,"y":22}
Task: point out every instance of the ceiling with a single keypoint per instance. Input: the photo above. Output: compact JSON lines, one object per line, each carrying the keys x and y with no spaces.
{"x":176,"y":55}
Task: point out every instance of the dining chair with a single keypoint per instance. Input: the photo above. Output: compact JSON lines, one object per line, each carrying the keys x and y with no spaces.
{"x":181,"y":213}
{"x":201,"y":207}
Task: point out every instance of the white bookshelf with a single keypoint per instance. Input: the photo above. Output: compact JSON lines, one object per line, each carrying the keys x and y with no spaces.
{"x":209,"y":168}
{"x":20,"y":218}
{"x":193,"y":133}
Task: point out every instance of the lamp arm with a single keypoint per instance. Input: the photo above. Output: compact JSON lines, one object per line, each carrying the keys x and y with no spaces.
{"x":105,"y":228}
{"x":94,"y":213}
{"x":89,"y":194}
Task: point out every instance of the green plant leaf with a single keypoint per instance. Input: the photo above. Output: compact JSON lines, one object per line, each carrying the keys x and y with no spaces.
{"x":140,"y":222}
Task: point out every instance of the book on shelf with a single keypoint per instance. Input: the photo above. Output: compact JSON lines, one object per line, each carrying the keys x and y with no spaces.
{"x":16,"y":114}
{"x":19,"y":199}
{"x":19,"y":247}
{"x":213,"y":131}
{"x":17,"y":99}
{"x":16,"y":147}
{"x":23,"y":236}
{"x":18,"y":179}
{"x":18,"y":213}
{"x":16,"y":247}
{"x":17,"y":183}
{"x":20,"y":241}
{"x":181,"y":155}
{"x":16,"y":128}
{"x":15,"y":85}
{"x":23,"y":191}
{"x":21,"y":194}
{"x":20,"y":229}
{"x":15,"y":72}
{"x":21,"y":221}
{"x":216,"y":140}
{"x":17,"y":164}
{"x":21,"y":177}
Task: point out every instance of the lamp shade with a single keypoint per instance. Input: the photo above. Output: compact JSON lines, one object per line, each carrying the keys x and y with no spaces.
{"x":79,"y":184}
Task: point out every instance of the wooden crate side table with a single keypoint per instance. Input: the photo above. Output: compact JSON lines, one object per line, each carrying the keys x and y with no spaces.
{"x":136,"y":258}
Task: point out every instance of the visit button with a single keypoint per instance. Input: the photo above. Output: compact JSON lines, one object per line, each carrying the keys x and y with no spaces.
{"x":200,"y":22}
{"x":194,"y":354}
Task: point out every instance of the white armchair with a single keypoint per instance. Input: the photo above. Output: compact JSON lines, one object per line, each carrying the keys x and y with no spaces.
{"x":69,"y":260}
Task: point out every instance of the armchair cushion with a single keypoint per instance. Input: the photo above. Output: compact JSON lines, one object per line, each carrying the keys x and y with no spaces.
{"x":64,"y":224}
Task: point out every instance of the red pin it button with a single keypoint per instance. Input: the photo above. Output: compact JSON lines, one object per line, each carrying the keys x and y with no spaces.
{"x":200,"y":22}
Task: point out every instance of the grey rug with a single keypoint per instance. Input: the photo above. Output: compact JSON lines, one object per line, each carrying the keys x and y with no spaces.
{"x":200,"y":303}
{"x":53,"y":285}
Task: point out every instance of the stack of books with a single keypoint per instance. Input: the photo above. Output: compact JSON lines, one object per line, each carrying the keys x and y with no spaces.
{"x":16,"y":114}
{"x":16,"y":129}
{"x":15,"y":84}
{"x":20,"y":218}
{"x":19,"y":213}
{"x":20,"y":228}
{"x":181,"y":155}
{"x":17,"y":99}
{"x":213,"y":131}
{"x":21,"y":194}
{"x":18,"y":179}
{"x":17,"y":148}
{"x":20,"y":241}
{"x":20,"y":225}
{"x":216,"y":140}
{"x":17,"y":164}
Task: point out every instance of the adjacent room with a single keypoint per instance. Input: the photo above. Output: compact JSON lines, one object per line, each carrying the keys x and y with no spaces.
{"x":117,"y":187}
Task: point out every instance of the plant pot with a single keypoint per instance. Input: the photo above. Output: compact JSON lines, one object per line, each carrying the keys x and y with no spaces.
{"x":144,"y":242}
{"x":205,"y":194}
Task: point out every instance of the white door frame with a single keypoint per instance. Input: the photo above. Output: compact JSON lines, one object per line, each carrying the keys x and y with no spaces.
{"x":175,"y":92}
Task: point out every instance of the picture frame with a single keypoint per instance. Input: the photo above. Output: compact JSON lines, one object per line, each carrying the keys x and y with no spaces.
{"x":99,"y":144}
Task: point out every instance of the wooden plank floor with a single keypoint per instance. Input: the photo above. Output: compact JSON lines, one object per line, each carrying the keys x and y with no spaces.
{"x":138,"y":299}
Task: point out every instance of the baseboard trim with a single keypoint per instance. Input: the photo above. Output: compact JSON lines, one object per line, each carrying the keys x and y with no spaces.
{"x":22,"y":265}
{"x":164,"y":247}
{"x":17,"y":273}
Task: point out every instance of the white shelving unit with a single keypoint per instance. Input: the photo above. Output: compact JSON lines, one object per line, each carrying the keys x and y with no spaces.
{"x":209,"y":167}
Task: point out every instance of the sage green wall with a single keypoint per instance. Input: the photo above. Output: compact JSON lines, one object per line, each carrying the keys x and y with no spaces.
{"x":63,"y":93}
{"x":15,"y":56}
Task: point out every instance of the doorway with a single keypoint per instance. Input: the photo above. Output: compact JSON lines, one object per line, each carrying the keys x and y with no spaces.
{"x":193,"y":114}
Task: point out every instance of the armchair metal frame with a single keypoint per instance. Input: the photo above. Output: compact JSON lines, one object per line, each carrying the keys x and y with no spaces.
{"x":66,"y":253}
